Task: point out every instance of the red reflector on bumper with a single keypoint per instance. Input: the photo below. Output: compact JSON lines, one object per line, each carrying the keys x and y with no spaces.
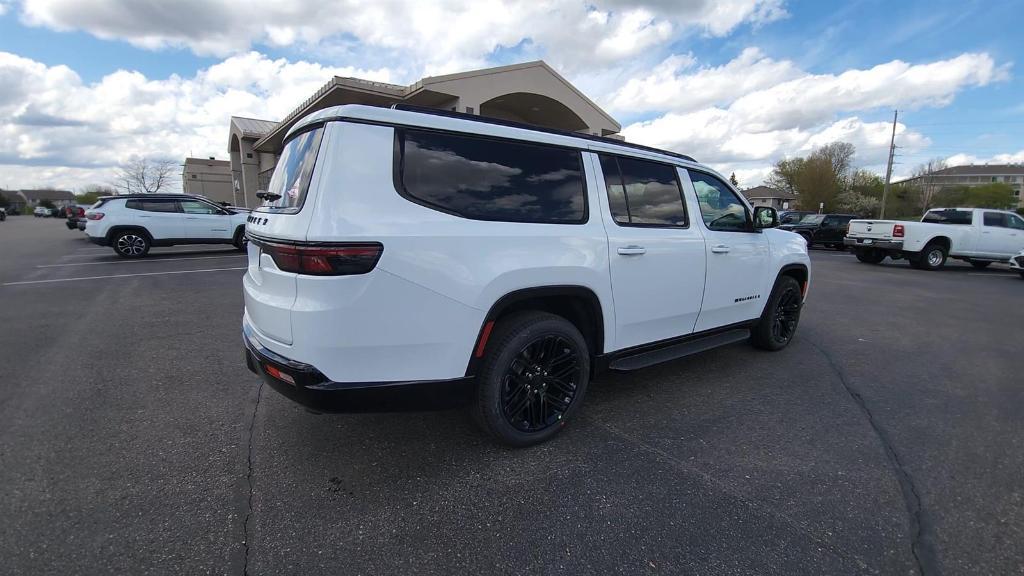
{"x":278,"y":374}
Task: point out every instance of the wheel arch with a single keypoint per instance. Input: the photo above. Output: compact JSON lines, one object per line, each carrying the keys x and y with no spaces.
{"x":115,"y":230}
{"x":579,"y":305}
{"x":943,"y":241}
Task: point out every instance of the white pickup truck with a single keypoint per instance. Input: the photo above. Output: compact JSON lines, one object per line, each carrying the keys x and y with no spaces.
{"x":976,"y":235}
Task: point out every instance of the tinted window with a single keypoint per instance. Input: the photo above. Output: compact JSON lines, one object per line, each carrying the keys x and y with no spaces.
{"x":996,"y":219}
{"x":720,"y":208}
{"x":1015,"y":222}
{"x":197,"y":207}
{"x":643,"y":193}
{"x":948,"y":217}
{"x":490,"y":179}
{"x":294,"y":170}
{"x":155,"y":205}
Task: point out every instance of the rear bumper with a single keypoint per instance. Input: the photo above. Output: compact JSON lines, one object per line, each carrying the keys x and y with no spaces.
{"x":312,"y":389}
{"x":871,"y":243}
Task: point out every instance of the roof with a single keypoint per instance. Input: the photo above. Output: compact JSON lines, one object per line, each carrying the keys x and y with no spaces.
{"x":403,"y":115}
{"x":982,"y":170}
{"x":385,"y":94}
{"x":35,"y":195}
{"x":207,"y":161}
{"x":253,"y":127}
{"x":174,"y":195}
{"x":766,"y":192}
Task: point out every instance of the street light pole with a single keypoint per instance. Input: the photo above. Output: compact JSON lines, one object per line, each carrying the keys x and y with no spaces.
{"x":888,"y":170}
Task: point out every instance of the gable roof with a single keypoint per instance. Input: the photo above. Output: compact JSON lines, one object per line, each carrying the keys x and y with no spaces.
{"x":253,"y":127}
{"x":982,"y":170}
{"x":766,"y":192}
{"x":36,"y":195}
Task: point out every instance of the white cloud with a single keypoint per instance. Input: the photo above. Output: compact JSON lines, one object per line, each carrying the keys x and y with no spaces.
{"x":964,"y":158}
{"x":49,"y":117}
{"x":436,"y":35}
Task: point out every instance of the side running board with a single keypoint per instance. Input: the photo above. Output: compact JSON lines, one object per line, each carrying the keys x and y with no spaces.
{"x":675,"y":351}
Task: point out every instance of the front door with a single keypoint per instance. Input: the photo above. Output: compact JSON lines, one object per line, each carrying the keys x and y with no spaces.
{"x":656,"y":254}
{"x":737,"y":254}
{"x":204,"y":221}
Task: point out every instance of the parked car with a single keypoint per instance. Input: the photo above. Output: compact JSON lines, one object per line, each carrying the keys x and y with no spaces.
{"x":3,"y":214}
{"x":41,"y":212}
{"x":793,"y":216}
{"x":411,"y":258}
{"x":132,"y":224}
{"x":1017,"y":263}
{"x":823,"y":229}
{"x":976,"y":235}
{"x":75,"y":214}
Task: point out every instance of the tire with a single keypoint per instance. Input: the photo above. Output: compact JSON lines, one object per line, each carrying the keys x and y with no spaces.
{"x":778,"y":323}
{"x":839,"y":247}
{"x":870,"y":255}
{"x":807,"y":238}
{"x":241,"y":241}
{"x":131,"y":244}
{"x":513,"y":403}
{"x":933,"y":257}
{"x":980,"y":264}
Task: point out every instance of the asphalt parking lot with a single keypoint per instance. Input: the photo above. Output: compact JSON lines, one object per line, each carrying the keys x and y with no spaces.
{"x":887,"y":438}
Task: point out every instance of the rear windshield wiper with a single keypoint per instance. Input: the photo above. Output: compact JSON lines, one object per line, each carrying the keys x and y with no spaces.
{"x":268,"y":196}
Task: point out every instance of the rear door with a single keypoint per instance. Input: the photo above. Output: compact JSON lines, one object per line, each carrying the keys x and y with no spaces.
{"x":161,"y":217}
{"x":656,"y":254}
{"x":738,"y":256}
{"x":204,"y":221}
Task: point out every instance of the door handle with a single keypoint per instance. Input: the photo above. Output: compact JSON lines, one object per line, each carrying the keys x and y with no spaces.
{"x":144,"y":216}
{"x":632,"y":250}
{"x":720,"y":249}
{"x":191,"y":218}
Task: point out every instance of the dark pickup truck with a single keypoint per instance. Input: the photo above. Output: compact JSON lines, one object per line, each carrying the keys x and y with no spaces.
{"x":822,"y":229}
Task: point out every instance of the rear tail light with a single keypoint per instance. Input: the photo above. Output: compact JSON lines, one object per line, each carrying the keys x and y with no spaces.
{"x":323,"y":260}
{"x":95,"y":215}
{"x":897,"y":231}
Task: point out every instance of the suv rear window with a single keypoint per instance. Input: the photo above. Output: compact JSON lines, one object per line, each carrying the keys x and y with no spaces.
{"x":293,"y":172}
{"x":490,"y":179}
{"x":154,"y":205}
{"x":948,"y":217}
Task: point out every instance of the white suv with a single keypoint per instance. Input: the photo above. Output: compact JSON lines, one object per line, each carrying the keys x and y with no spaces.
{"x":131,"y":224}
{"x":411,"y":259}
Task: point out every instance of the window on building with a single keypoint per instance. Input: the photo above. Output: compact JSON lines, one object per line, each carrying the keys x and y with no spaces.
{"x":720,"y":208}
{"x":491,"y":179}
{"x":642,"y":193}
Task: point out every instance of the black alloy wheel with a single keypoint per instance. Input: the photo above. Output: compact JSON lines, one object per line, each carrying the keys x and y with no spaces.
{"x":786,"y":314}
{"x":540,"y":383}
{"x":780,"y":317}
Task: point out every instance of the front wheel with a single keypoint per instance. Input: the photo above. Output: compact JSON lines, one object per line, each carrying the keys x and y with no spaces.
{"x":781,"y":315}
{"x":533,"y":378}
{"x":131,"y":244}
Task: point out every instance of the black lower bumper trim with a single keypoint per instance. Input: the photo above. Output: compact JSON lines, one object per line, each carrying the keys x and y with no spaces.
{"x":314,"y":391}
{"x":99,"y":240}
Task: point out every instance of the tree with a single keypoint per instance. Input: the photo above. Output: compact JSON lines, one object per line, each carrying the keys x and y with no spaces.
{"x":995,"y":195}
{"x":733,"y":180}
{"x":817,"y":179}
{"x":926,"y":184}
{"x":144,"y":176}
{"x":784,"y":175}
{"x":91,"y":193}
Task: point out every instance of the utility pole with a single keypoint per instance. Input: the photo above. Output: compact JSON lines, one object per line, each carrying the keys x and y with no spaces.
{"x":888,"y":170}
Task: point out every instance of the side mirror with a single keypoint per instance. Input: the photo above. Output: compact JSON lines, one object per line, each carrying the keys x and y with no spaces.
{"x":765,"y":217}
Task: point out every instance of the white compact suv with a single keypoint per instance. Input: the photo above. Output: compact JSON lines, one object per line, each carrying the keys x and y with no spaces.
{"x":410,"y":259}
{"x":132,"y":224}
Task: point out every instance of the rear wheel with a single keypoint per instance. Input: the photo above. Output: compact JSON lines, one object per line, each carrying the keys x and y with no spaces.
{"x":241,"y":241}
{"x":781,"y":315}
{"x":533,"y":378}
{"x":131,"y":244}
{"x":933,"y":257}
{"x":870,"y":255}
{"x":980,"y":264}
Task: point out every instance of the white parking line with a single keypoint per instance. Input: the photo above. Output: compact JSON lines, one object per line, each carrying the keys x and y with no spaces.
{"x":991,"y":275}
{"x":175,"y":253}
{"x":141,"y":261}
{"x":120,"y":276}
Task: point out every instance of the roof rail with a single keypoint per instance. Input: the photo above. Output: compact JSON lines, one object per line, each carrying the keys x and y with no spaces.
{"x":535,"y":128}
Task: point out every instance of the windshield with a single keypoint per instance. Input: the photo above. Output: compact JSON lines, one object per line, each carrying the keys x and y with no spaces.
{"x":812,"y":219}
{"x":294,"y":171}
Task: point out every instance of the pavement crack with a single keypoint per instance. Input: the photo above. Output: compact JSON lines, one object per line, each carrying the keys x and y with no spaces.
{"x":922,"y":544}
{"x":248,"y":479}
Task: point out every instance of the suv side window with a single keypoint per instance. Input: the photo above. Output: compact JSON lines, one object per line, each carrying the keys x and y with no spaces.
{"x":720,"y":208}
{"x":154,"y":205}
{"x":1015,"y":222}
{"x":490,"y":179}
{"x":197,"y":207}
{"x":642,"y":193}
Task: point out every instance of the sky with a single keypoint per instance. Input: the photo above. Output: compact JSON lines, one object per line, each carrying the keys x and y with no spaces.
{"x":86,"y":85}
